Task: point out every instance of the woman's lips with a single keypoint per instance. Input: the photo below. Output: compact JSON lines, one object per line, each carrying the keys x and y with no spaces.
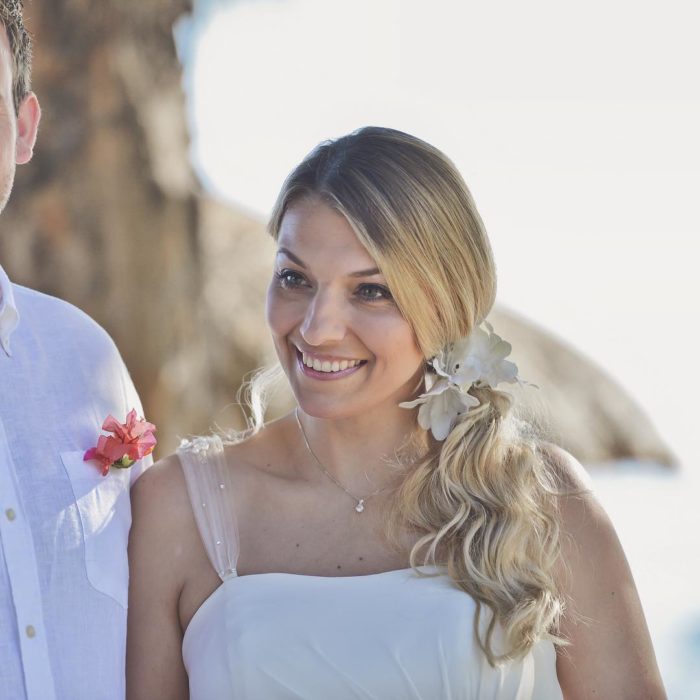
{"x":326,"y":376}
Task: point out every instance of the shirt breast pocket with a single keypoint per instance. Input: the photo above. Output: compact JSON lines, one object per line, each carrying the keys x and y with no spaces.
{"x":105,"y":517}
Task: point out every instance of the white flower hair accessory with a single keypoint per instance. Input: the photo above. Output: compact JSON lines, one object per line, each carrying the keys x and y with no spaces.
{"x":477,"y":360}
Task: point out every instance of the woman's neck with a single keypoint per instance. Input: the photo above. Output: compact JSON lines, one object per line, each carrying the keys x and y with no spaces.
{"x":361,"y":452}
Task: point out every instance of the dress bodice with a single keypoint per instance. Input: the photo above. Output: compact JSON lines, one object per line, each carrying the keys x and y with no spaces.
{"x":392,"y":635}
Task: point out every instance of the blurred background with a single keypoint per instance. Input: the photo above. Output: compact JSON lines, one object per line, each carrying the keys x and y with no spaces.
{"x":169,"y":126}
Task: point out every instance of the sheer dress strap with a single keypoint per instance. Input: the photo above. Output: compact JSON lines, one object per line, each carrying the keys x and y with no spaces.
{"x":209,"y":487}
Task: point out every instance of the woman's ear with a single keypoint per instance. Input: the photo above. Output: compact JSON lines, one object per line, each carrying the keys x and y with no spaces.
{"x":27,"y":125}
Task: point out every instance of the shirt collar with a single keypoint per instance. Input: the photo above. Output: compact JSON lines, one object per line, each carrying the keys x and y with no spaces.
{"x":9,"y":316}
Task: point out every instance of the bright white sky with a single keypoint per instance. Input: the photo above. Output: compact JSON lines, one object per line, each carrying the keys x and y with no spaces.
{"x":575,"y":126}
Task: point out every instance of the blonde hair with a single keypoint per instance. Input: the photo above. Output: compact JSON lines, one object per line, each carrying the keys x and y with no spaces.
{"x":484,"y":499}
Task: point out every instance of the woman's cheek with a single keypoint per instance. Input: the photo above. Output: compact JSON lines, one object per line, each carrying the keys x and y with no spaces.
{"x":280,"y":311}
{"x":272,"y":307}
{"x":387,"y":325}
{"x":394,"y":339}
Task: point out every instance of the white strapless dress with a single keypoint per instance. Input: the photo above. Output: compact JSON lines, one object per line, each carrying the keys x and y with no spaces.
{"x":387,"y":636}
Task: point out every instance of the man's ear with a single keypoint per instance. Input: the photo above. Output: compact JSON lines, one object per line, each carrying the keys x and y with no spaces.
{"x":27,"y":124}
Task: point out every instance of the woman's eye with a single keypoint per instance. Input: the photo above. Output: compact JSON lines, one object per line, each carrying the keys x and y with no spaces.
{"x":289,"y":279}
{"x":374,"y":292}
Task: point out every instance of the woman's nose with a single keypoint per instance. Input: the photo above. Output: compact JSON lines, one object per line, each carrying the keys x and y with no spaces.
{"x":323,"y":322}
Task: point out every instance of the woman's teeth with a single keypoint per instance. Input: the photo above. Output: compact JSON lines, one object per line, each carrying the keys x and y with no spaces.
{"x":328,"y":366}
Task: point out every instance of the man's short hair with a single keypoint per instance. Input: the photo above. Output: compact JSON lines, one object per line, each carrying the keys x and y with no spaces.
{"x":20,"y":45}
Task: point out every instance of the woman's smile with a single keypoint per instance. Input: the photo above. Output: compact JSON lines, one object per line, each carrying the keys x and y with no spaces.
{"x":326,"y":368}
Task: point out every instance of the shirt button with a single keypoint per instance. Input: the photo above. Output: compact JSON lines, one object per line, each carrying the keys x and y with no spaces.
{"x":31,"y":632}
{"x":10,"y":514}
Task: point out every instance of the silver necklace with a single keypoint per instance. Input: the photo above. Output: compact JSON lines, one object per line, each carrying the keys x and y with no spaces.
{"x":360,"y":501}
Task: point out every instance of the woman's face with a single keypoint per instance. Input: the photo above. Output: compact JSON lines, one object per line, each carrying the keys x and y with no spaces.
{"x":340,"y":338}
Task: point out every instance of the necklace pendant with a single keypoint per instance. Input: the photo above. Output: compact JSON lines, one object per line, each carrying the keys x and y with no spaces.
{"x":360,"y":505}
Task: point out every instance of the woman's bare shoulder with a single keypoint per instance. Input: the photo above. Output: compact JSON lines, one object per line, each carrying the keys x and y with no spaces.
{"x":571,"y":476}
{"x":587,"y":532}
{"x":160,"y":497}
{"x":161,"y":492}
{"x":164,"y":531}
{"x":603,"y":617}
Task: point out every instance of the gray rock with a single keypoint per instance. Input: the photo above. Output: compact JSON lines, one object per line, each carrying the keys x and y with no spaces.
{"x":578,"y":405}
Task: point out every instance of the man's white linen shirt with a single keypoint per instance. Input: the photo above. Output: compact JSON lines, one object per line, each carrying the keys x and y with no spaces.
{"x":63,"y":526}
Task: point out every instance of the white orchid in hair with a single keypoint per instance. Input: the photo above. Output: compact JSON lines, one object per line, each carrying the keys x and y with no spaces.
{"x":477,"y":360}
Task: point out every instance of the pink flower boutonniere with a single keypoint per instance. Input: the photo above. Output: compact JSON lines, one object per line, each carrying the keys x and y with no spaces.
{"x":128,"y":443}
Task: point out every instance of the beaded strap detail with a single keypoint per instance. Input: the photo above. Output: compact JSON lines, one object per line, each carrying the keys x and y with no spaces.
{"x":209,"y":487}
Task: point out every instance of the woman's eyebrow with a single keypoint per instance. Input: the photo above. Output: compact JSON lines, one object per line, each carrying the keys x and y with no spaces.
{"x":360,"y":273}
{"x":366,"y":273}
{"x":290,"y":255}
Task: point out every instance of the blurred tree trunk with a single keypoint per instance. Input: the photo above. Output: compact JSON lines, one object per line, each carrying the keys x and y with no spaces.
{"x":109,"y":215}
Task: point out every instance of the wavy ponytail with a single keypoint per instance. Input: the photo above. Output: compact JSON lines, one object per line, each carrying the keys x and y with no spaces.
{"x":486,"y":499}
